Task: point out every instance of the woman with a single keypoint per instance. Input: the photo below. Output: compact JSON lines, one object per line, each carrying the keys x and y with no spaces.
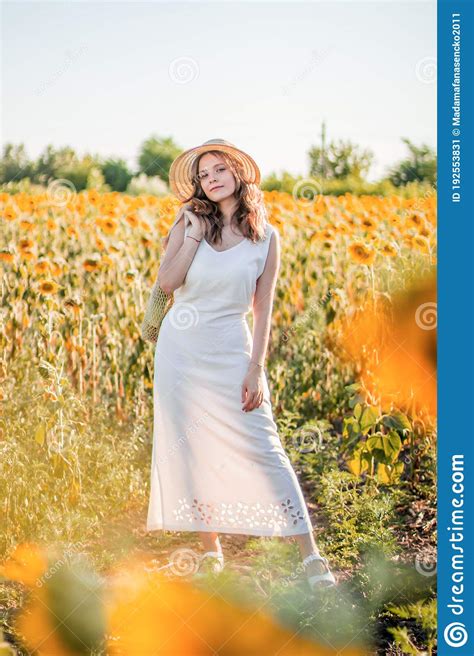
{"x":218,"y":464}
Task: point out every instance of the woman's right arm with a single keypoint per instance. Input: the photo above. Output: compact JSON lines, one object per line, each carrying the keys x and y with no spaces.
{"x":178,"y":255}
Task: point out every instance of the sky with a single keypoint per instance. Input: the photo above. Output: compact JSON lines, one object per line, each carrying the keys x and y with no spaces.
{"x":102,"y":77}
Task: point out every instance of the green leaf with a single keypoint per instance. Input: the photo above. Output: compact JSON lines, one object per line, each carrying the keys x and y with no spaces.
{"x":388,"y":446}
{"x":368,"y":419}
{"x":375,"y":442}
{"x":351,"y":427}
{"x":358,"y":398}
{"x":397,"y":421}
{"x":358,"y":463}
{"x":392,"y":445}
{"x":357,"y":411}
{"x":389,"y":473}
{"x":354,"y":387}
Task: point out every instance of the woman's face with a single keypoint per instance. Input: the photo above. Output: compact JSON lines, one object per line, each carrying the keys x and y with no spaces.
{"x":216,"y":178}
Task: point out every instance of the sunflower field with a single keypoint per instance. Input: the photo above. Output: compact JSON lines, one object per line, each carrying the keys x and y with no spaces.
{"x":351,"y":366}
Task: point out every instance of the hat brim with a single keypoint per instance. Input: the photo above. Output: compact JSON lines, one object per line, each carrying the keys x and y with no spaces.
{"x":180,"y":180}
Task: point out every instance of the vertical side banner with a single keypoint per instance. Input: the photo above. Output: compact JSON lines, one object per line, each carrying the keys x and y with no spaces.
{"x":455,"y":329}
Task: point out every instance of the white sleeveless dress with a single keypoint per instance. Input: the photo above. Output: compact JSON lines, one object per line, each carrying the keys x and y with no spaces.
{"x":214,"y":466}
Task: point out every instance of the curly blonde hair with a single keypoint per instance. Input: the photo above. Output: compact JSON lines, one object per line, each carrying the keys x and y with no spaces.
{"x":250,"y":215}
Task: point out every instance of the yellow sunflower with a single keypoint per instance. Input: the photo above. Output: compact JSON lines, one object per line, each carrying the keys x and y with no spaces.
{"x":47,"y":287}
{"x":42,"y":266}
{"x":132,"y":220}
{"x":25,"y":244}
{"x":388,"y":249}
{"x":416,"y":221}
{"x":27,"y":225}
{"x":361,"y":254}
{"x":9,"y":213}
{"x":91,"y":263}
{"x":421,"y":244}
{"x":108,"y":225}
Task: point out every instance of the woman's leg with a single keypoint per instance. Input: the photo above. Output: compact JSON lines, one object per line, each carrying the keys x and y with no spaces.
{"x":210,"y":541}
{"x":308,"y":546}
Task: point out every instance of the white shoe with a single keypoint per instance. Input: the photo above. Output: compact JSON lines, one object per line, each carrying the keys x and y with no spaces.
{"x":317,"y":581}
{"x":214,"y":567}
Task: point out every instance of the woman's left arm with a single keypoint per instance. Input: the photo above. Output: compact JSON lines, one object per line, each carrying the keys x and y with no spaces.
{"x":252,"y":387}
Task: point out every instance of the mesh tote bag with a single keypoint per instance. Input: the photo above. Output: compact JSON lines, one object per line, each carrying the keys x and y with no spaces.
{"x":158,"y":305}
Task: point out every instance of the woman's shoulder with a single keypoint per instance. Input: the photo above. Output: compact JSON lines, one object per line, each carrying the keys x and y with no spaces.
{"x":265,"y":242}
{"x":270,"y":229}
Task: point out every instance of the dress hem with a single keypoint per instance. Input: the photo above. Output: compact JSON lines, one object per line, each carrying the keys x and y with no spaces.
{"x":230,"y":530}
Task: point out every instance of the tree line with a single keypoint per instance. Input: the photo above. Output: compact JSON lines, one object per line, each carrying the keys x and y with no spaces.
{"x":337,"y":167}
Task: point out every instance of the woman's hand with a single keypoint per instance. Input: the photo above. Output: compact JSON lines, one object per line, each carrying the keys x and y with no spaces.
{"x":197,"y":224}
{"x":252,"y":388}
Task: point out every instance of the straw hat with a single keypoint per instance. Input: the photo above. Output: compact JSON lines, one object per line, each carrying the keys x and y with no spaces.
{"x":180,"y":177}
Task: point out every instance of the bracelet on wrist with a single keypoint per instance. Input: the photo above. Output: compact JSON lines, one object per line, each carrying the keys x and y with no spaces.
{"x":198,"y":240}
{"x":257,"y":363}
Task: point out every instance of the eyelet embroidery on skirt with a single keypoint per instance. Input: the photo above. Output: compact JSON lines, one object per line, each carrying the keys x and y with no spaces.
{"x":286,"y":513}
